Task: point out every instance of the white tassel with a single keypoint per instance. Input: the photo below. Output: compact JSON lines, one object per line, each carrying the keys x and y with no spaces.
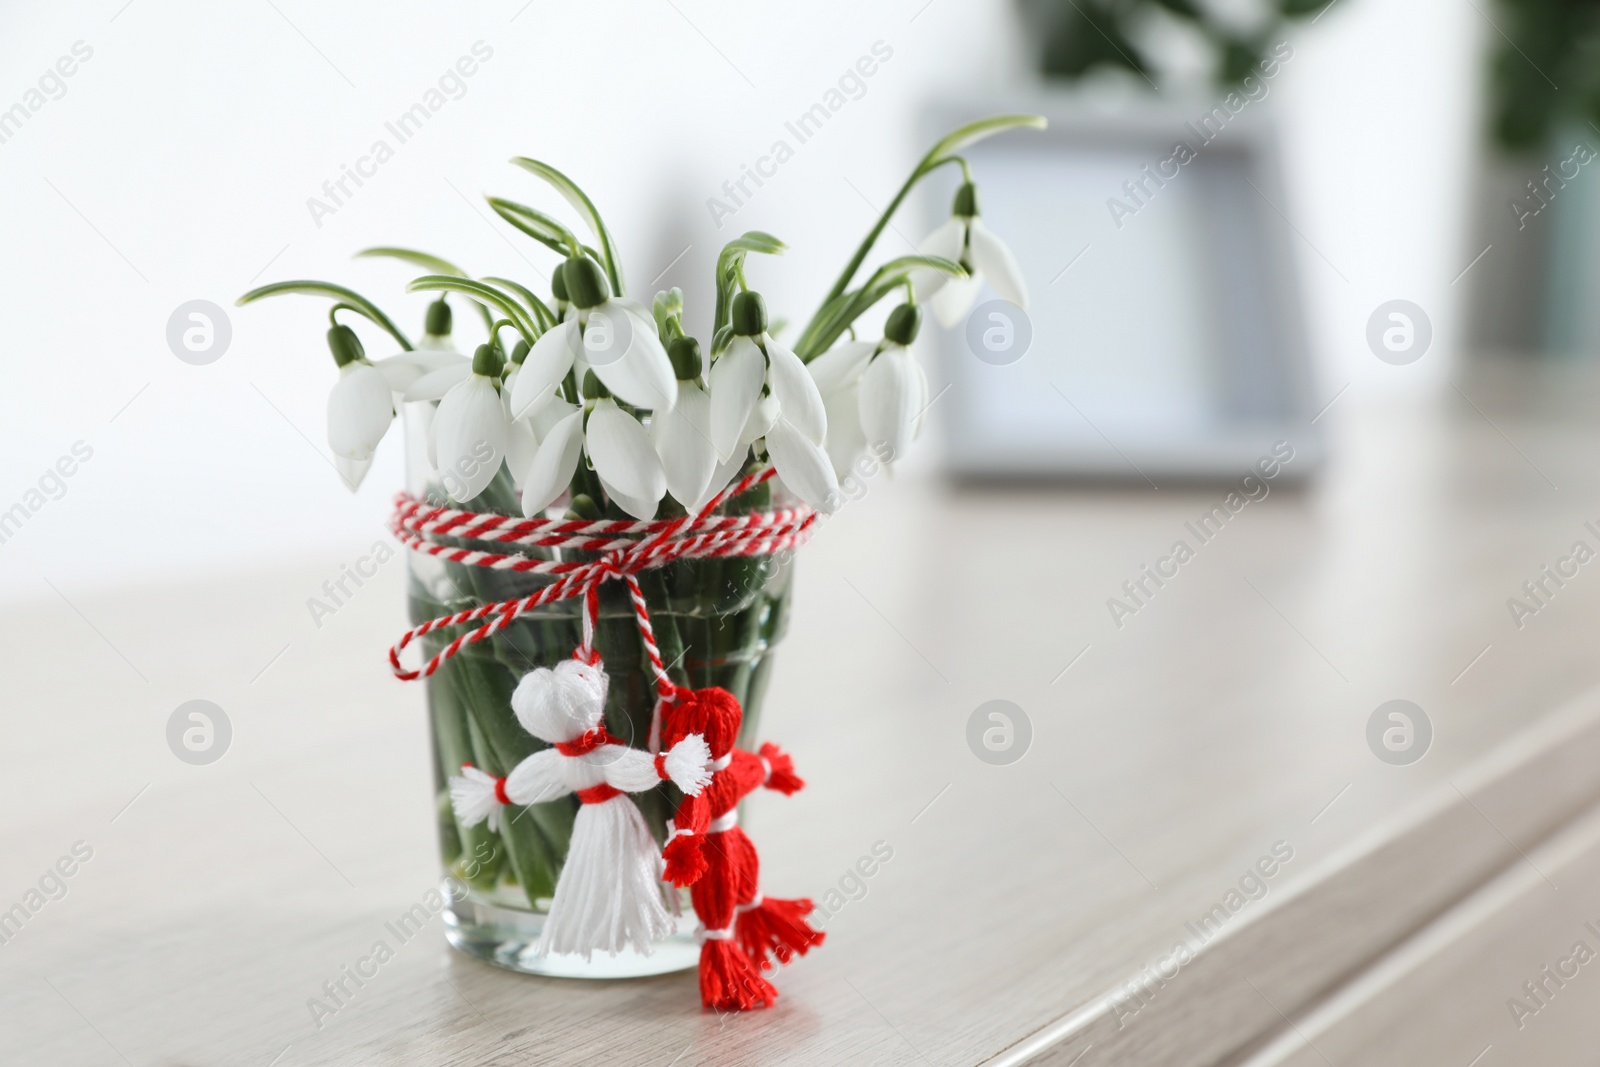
{"x":472,"y":796}
{"x":688,"y":764}
{"x":608,"y":896}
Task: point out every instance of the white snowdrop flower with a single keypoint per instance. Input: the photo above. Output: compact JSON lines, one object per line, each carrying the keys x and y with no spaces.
{"x":682,"y":433}
{"x":360,"y":407}
{"x":803,"y":466}
{"x":625,"y":460}
{"x":434,"y":351}
{"x":619,"y":449}
{"x":966,"y":240}
{"x":470,"y":428}
{"x":554,"y":464}
{"x":752,"y":364}
{"x":893,"y":391}
{"x":614,"y":337}
{"x":837,"y":373}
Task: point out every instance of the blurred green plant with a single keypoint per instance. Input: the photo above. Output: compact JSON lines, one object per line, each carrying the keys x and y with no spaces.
{"x":1078,"y":36}
{"x":1543,"y":44}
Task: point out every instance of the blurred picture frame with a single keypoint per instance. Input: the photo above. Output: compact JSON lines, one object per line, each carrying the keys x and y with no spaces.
{"x":1165,"y":338}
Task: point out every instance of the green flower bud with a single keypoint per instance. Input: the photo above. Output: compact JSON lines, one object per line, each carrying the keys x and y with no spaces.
{"x":583,"y":507}
{"x":749,"y":314}
{"x":685,"y":355}
{"x":594,"y":388}
{"x":520,"y":352}
{"x":966,"y":202}
{"x":558,"y":282}
{"x":904,"y":322}
{"x":438,"y":321}
{"x":345,"y":345}
{"x":586,"y":283}
{"x":488,"y":362}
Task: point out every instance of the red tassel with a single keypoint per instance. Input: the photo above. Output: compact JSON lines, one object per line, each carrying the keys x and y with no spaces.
{"x":729,"y":981}
{"x":780,"y":774}
{"x":778,"y":927}
{"x":686,"y":860}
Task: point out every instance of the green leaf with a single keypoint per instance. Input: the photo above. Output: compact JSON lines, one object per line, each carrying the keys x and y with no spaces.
{"x":839,"y":314}
{"x":730,"y":262}
{"x":973,"y":132}
{"x":904,"y":265}
{"x":541,"y":311}
{"x":432,"y":264}
{"x":426,"y":262}
{"x":941,"y":153}
{"x":333,"y":292}
{"x":584,"y":207}
{"x":482,"y":291}
{"x":536,"y":224}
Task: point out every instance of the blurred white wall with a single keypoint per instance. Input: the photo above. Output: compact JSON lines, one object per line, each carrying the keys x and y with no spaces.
{"x":178,"y":160}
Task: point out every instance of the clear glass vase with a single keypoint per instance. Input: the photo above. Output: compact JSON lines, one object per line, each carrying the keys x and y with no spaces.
{"x":716,"y":622}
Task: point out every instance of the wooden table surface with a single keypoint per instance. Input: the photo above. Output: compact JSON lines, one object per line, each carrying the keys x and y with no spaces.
{"x":1168,"y":758}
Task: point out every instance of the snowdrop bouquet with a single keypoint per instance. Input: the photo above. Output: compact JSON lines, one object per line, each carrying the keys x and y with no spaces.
{"x":588,"y":437}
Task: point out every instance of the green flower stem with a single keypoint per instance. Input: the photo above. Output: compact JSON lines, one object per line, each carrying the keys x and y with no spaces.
{"x":478,"y":850}
{"x":350,"y":297}
{"x":607,"y":256}
{"x":941,"y":153}
{"x":481,"y":291}
{"x":926,"y":167}
{"x":541,"y":311}
{"x":430,"y":263}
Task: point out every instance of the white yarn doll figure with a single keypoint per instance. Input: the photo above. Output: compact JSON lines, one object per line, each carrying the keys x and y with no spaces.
{"x":609,"y":894}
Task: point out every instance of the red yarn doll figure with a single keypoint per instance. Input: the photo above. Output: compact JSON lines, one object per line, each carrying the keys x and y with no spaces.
{"x":709,"y":852}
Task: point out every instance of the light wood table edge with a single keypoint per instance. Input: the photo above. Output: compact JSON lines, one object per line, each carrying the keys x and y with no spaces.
{"x":1349,"y":911}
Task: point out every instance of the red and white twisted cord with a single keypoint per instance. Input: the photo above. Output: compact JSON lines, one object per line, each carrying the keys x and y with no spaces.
{"x":698,"y":536}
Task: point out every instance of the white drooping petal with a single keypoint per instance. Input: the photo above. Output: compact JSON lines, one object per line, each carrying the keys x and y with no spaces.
{"x":846,"y":441}
{"x":553,"y":465}
{"x":736,"y":379}
{"x":840,"y":366}
{"x":546,"y":363}
{"x":434,"y":355}
{"x":888,"y":401}
{"x":953,"y":300}
{"x":360,"y":408}
{"x":760,"y":421}
{"x":547,"y":416}
{"x":400,"y":371}
{"x":637,"y":506}
{"x":436,"y":383}
{"x":521,"y":439}
{"x":682,"y":436}
{"x":948,"y":241}
{"x":642,"y":374}
{"x":720,"y":478}
{"x":995,"y":261}
{"x":625,"y":460}
{"x":469,"y":437}
{"x":352,"y":471}
{"x":797,"y":394}
{"x":803,"y":466}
